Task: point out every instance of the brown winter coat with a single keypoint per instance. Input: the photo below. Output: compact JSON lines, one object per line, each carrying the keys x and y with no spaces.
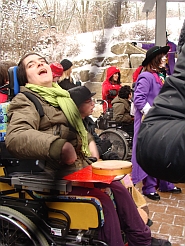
{"x":31,"y":137}
{"x":121,"y":110}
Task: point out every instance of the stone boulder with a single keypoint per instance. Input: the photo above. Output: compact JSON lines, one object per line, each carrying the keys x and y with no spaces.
{"x":126,"y":48}
{"x":118,"y":61}
{"x":125,"y":56}
{"x":136,"y":60}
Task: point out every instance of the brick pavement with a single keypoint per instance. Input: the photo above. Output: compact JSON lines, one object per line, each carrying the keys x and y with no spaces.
{"x":168,"y":216}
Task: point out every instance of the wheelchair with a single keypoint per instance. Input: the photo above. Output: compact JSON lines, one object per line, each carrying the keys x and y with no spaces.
{"x":120,"y":135}
{"x":35,"y":207}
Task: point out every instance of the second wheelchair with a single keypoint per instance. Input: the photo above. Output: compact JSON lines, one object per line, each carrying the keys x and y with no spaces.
{"x":119,"y":134}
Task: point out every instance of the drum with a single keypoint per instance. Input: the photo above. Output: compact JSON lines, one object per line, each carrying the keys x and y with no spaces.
{"x":111,"y":167}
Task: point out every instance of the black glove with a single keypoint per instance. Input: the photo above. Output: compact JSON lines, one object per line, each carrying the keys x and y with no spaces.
{"x":112,"y":92}
{"x":104,"y":145}
{"x":93,"y":159}
{"x":134,"y":43}
{"x":110,"y":156}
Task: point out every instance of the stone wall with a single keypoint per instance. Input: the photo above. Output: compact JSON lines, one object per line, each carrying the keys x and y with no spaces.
{"x":125,"y":56}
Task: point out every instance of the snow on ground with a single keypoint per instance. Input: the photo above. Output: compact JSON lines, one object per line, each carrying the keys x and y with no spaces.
{"x":87,"y":40}
{"x":83,"y":45}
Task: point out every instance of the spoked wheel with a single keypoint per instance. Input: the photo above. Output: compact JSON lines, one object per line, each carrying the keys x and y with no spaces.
{"x":118,"y":140}
{"x":17,"y":230}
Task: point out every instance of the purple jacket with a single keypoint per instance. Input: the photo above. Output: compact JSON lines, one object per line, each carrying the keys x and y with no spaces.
{"x":171,"y":55}
{"x":171,"y":58}
{"x":146,"y":89}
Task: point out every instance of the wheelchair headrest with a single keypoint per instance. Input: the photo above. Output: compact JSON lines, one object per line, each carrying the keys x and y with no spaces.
{"x":13,"y":82}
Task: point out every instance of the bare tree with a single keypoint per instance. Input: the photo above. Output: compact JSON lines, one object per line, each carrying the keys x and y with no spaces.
{"x":82,"y":11}
{"x":58,"y":14}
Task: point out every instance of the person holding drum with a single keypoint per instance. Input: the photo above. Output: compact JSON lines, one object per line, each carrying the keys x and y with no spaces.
{"x":60,"y":138}
{"x":86,"y":108}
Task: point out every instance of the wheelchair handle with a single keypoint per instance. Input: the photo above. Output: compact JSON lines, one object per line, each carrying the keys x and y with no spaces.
{"x":101,"y":101}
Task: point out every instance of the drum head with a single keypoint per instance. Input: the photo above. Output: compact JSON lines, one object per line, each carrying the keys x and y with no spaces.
{"x":112,"y":167}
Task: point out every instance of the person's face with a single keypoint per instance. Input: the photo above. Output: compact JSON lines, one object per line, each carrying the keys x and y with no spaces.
{"x":86,"y":108}
{"x":163,"y":61}
{"x":115,"y":77}
{"x":130,"y":96}
{"x":38,"y":71}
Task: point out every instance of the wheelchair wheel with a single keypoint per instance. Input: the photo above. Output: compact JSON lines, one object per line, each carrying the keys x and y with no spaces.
{"x":17,"y":230}
{"x":118,"y":140}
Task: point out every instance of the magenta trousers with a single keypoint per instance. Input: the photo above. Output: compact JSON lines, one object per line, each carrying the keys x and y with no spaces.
{"x":125,"y":217}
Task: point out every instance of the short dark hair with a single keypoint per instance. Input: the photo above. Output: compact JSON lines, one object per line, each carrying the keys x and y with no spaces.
{"x":125,"y":91}
{"x":4,"y":66}
{"x":21,"y":70}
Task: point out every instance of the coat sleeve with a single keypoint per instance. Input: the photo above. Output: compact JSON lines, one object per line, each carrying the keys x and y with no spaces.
{"x":141,"y":92}
{"x":23,"y":138}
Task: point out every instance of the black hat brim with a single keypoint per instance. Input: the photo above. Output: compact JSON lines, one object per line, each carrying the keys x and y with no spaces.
{"x":91,"y":95}
{"x":162,"y":50}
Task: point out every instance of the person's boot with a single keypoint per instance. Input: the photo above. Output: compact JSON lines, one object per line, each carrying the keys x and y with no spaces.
{"x":159,"y":242}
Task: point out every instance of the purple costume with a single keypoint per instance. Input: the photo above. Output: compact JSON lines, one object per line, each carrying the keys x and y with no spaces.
{"x":171,"y":55}
{"x":146,"y":89}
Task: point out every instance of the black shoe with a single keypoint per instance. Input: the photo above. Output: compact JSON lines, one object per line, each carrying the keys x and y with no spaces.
{"x":176,"y":190}
{"x":149,"y":222}
{"x":153,"y":196}
{"x":159,"y":242}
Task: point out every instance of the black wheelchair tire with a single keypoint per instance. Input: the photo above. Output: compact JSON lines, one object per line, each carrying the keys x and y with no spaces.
{"x":14,"y":225}
{"x":111,"y":134}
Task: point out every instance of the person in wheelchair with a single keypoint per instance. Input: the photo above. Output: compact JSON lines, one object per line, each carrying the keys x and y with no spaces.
{"x":86,"y":108}
{"x":60,"y":138}
{"x":121,"y":108}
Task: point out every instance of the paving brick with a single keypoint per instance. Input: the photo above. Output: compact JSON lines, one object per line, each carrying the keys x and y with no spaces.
{"x":170,"y":229}
{"x":155,"y":228}
{"x":168,"y":216}
{"x":179,"y":220}
{"x":156,"y":207}
{"x":181,"y":203}
{"x":175,"y":211}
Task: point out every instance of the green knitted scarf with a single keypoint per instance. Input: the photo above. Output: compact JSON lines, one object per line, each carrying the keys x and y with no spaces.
{"x":58,"y":97}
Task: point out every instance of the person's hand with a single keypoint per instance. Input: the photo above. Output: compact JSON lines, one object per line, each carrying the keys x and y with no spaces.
{"x":112,"y":92}
{"x":134,"y":43}
{"x":68,"y":154}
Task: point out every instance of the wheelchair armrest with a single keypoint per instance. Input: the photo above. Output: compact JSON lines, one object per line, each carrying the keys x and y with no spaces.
{"x":40,"y":182}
